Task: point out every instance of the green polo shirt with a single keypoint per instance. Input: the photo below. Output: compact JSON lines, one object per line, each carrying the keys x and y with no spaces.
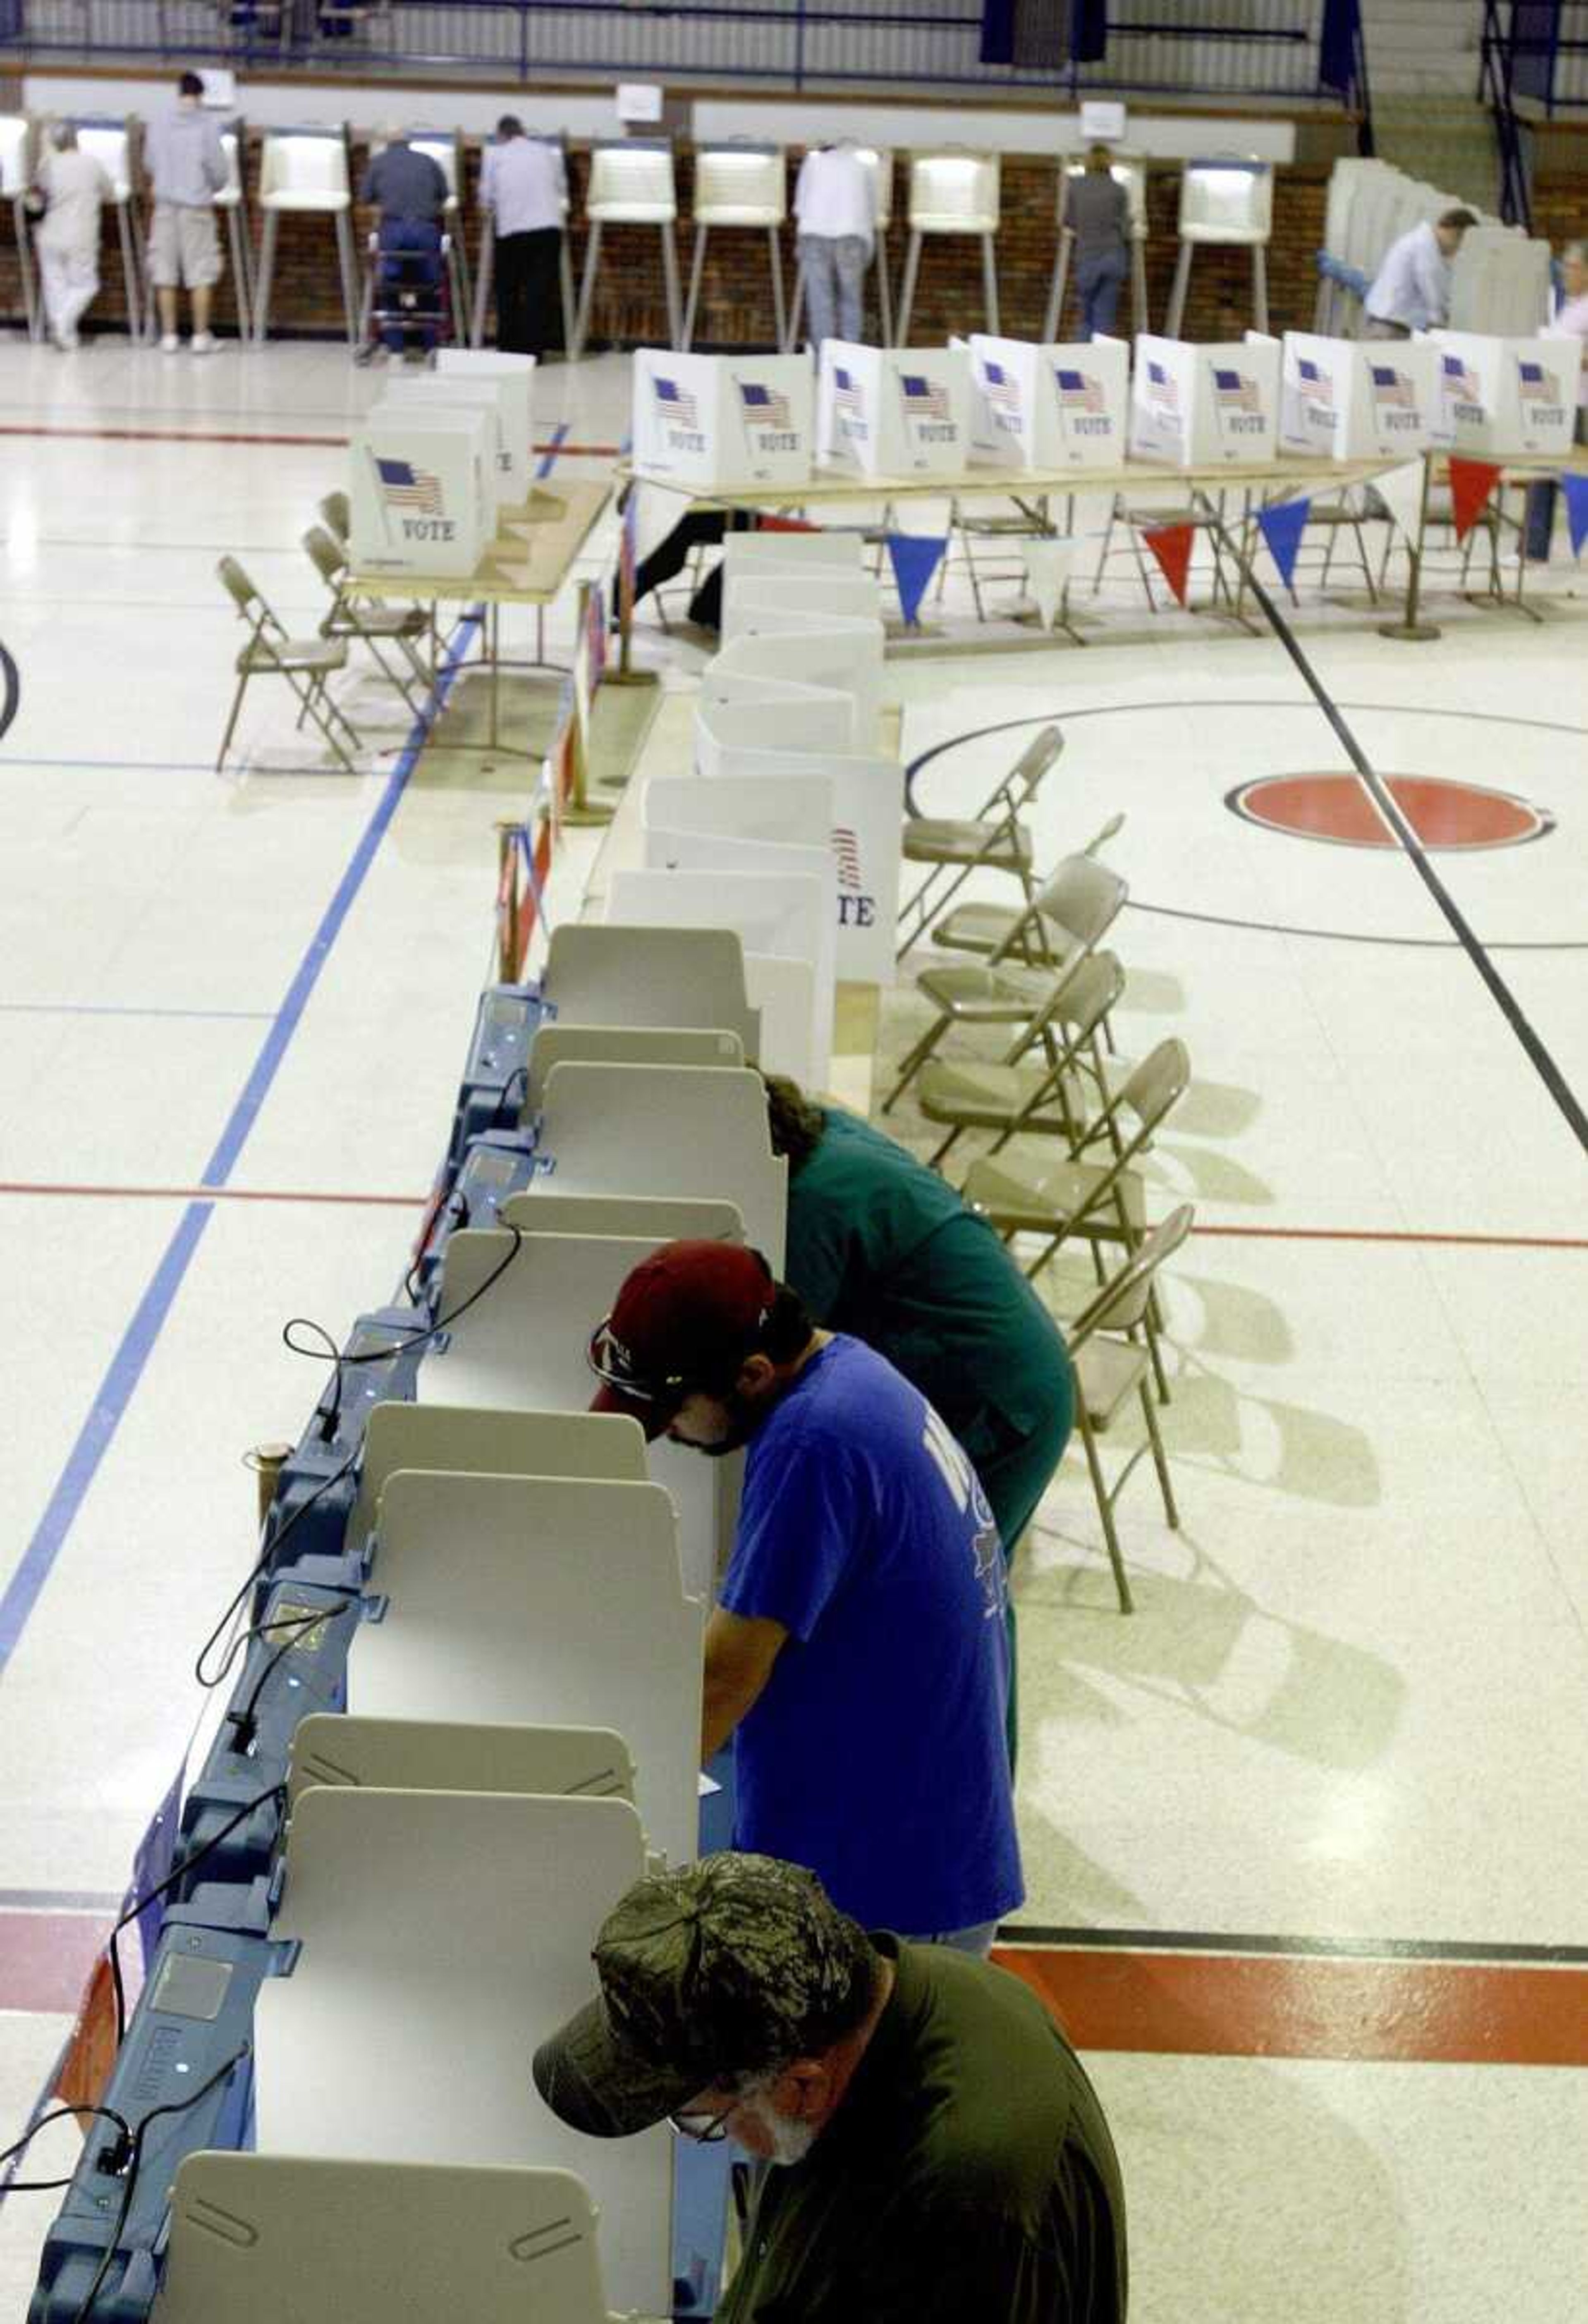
{"x":882,"y":1248}
{"x":967,"y":2176}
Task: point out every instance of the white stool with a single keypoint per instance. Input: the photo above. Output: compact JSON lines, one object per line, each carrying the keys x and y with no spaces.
{"x":306,"y":172}
{"x":631,"y":183}
{"x":1224,"y":202}
{"x":485,"y":270}
{"x":111,"y":142}
{"x":952,"y":191}
{"x":1127,"y":170}
{"x":739,"y":183}
{"x":877,"y":162}
{"x":16,"y":149}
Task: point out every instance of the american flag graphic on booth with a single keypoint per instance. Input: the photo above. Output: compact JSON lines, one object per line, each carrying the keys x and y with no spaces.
{"x":763,"y":405}
{"x":1319,"y":386}
{"x":1459,"y":379}
{"x":846,"y":848}
{"x":1392,"y":386}
{"x":1076,"y":392}
{"x":1232,"y":393}
{"x":408,"y":487}
{"x":1538,"y":385}
{"x":924,"y":398}
{"x":1163,"y":390}
{"x":1001,"y":391}
{"x":847,"y":394}
{"x":674,"y":403}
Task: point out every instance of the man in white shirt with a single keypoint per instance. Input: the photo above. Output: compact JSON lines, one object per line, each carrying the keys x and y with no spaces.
{"x":74,"y":186}
{"x":524,"y":186}
{"x":835,"y":207}
{"x":1411,"y":290}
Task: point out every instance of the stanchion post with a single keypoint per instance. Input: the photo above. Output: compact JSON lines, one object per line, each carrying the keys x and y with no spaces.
{"x":507,"y":903}
{"x":579,"y":809}
{"x":266,"y":1461}
{"x":1410,"y":628}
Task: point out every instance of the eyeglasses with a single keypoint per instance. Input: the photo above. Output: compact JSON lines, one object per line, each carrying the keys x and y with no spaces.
{"x":609,"y":1364}
{"x":714,"y":2127}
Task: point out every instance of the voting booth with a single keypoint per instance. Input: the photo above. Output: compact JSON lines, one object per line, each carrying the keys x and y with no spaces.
{"x":1502,"y":397}
{"x":1049,"y":407}
{"x":114,"y":143}
{"x":16,"y":171}
{"x":1126,"y":169}
{"x":1194,"y":407}
{"x":721,"y":420}
{"x":422,"y":488}
{"x":893,"y":411}
{"x":739,"y":183}
{"x":783,"y":922}
{"x":514,"y":378}
{"x":306,"y":173}
{"x":630,"y":183}
{"x":952,"y":191}
{"x":1499,"y":282}
{"x":505,"y":404}
{"x":1225,"y":201}
{"x":1344,"y":400}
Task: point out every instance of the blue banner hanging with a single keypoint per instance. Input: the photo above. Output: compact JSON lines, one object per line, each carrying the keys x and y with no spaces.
{"x":1577,"y":492}
{"x":1282,"y":527}
{"x":914,"y":557}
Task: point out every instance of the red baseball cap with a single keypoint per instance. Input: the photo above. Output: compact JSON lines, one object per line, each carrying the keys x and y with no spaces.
{"x":683,"y":1318}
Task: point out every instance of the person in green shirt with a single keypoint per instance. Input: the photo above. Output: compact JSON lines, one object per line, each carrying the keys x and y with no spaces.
{"x":945,"y":2159}
{"x":880,"y":1247}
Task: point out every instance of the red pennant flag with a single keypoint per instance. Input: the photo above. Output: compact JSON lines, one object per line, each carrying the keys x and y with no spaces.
{"x":1171,"y":545}
{"x":1471,"y":483}
{"x":785,"y":524}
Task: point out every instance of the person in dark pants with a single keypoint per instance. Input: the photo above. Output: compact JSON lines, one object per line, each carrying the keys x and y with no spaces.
{"x":524,"y":186}
{"x":1097,"y":212}
{"x":409,"y":190}
{"x":880,"y":1247}
{"x":944,"y":2158}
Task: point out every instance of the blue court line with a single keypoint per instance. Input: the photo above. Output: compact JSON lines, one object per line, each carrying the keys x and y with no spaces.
{"x":125,"y":1368}
{"x":549,"y":457}
{"x":117,"y":1008}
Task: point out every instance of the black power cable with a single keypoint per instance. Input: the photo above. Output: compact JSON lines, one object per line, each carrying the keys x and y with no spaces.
{"x":184,"y":1864}
{"x":263,"y":1560}
{"x":57,"y":2113}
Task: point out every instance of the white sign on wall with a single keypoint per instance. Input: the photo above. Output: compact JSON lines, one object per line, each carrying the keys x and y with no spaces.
{"x":1052,"y":406}
{"x":721,"y":420}
{"x":895,"y":412}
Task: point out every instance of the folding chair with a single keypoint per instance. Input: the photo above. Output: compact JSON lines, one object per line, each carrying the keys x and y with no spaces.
{"x":373,"y":625}
{"x":1069,"y":918}
{"x":1110,"y":1361}
{"x":306,"y":663}
{"x":982,"y":927}
{"x":337,"y":516}
{"x":1101,"y":1201}
{"x":992,"y":839}
{"x":1011,"y":1096}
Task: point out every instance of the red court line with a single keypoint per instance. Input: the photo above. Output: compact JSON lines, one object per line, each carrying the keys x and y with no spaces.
{"x":206,"y":436}
{"x":215,"y":1195}
{"x":1399,"y":1234}
{"x":46,"y":1957}
{"x":1199,"y":2005}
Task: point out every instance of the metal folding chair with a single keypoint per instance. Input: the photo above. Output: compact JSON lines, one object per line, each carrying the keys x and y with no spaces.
{"x":376,"y":626}
{"x":308,"y":665}
{"x":992,"y":839}
{"x":1010,"y":1096}
{"x":1110,"y":1359}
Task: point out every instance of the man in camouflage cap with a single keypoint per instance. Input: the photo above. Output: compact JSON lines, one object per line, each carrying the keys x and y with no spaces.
{"x":946,"y":2157}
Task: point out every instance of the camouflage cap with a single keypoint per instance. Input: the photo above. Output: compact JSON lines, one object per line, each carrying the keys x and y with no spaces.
{"x":718,"y":1969}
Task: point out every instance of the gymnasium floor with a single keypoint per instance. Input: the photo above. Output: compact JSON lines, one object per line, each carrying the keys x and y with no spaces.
{"x":1304,"y":1836}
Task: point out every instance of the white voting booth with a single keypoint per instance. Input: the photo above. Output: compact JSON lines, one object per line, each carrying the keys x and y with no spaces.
{"x":721,"y":420}
{"x":554,"y":1598}
{"x":1344,"y":400}
{"x":16,"y":135}
{"x":422,"y":488}
{"x":739,"y":182}
{"x":1050,"y":406}
{"x":305,"y":172}
{"x":621,"y":1044}
{"x":785,"y":924}
{"x":1227,"y":199}
{"x":453,"y":1929}
{"x":378,"y":2240}
{"x":952,"y":191}
{"x":658,"y":976}
{"x":486,"y":1440}
{"x":1506,"y":396}
{"x":808,"y":653}
{"x":351,"y":1750}
{"x":514,"y":379}
{"x":1193,"y":406}
{"x":893,"y":411}
{"x":509,"y":464}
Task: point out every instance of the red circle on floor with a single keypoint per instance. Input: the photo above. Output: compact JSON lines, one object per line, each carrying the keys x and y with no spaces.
{"x":1340,"y":808}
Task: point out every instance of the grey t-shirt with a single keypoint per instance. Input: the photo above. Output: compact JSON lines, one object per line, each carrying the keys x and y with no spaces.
{"x":1098,"y":211}
{"x":403,"y":184}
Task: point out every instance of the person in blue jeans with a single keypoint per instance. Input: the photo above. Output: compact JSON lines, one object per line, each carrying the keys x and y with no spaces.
{"x":1097,"y":211}
{"x":409,"y":190}
{"x":857,"y":1652}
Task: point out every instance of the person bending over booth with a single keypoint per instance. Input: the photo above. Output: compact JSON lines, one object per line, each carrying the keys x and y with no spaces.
{"x":1411,"y":290}
{"x":944,"y":2158}
{"x":881,"y":1246}
{"x":857,"y":1652}
{"x":410,"y":191}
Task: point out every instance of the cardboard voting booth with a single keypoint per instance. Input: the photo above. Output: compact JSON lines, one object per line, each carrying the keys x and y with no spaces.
{"x":894,"y":411}
{"x":1196,"y":407}
{"x":1507,"y":396}
{"x":753,"y":596}
{"x":791,"y":550}
{"x":740,"y":709}
{"x":509,"y":467}
{"x":1049,"y":406}
{"x":721,"y":420}
{"x":422,"y":489}
{"x":1346,"y":401}
{"x":842,"y":657}
{"x":783,"y":922}
{"x":515,"y":380}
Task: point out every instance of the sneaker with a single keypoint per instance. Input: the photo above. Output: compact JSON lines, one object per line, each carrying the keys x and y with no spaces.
{"x":204,"y":343}
{"x":169,"y":344}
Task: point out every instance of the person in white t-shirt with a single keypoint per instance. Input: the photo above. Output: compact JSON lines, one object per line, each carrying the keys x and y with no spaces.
{"x":1411,"y":290}
{"x":75,"y":187}
{"x":524,"y":186}
{"x":835,"y":208}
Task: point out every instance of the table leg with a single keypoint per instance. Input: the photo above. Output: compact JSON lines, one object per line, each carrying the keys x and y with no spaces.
{"x":1409,"y":628}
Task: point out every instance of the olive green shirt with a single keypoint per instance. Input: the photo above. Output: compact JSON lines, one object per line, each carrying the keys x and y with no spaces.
{"x":966,"y":2178}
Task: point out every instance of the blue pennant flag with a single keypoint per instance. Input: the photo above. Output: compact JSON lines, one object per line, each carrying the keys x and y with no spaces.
{"x":914,"y":556}
{"x":1282,"y":527}
{"x":1577,"y":492}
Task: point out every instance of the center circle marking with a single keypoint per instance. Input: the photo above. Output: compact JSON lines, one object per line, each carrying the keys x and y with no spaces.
{"x":1446,"y":815}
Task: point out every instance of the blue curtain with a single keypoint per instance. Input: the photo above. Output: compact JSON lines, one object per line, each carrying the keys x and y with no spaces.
{"x":1338,"y":44}
{"x":1088,"y":31}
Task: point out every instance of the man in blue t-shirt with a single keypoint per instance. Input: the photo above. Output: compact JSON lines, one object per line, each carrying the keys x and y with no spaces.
{"x":857,"y":1652}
